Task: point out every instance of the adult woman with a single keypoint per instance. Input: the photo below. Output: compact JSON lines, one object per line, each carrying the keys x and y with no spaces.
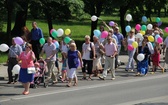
{"x":73,"y":56}
{"x":26,"y":57}
{"x":86,"y":48}
{"x":130,"y":40}
{"x":98,"y":51}
{"x":26,"y":33}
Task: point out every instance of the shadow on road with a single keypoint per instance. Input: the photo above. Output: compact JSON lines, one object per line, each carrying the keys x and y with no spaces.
{"x":152,"y":104}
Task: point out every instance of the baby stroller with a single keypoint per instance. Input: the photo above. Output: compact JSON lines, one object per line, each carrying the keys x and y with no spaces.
{"x":40,"y":75}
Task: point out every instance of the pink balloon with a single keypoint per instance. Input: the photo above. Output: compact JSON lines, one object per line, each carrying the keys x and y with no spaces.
{"x":159,"y":40}
{"x":18,"y":40}
{"x":51,"y":31}
{"x":138,"y":27}
{"x":130,"y":47}
{"x":166,"y":29}
{"x":104,"y":34}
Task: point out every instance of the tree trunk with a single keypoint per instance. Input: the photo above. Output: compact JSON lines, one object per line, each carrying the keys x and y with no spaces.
{"x":122,"y":22}
{"x":49,"y":20}
{"x":9,"y":20}
{"x":20,"y":22}
{"x":159,"y":12}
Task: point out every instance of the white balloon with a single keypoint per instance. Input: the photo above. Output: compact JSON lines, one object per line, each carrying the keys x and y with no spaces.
{"x":139,"y":35}
{"x":16,"y":69}
{"x":4,"y":47}
{"x":129,"y":17}
{"x":60,"y":32}
{"x":140,"y":57}
{"x":149,"y":26}
{"x":94,"y":18}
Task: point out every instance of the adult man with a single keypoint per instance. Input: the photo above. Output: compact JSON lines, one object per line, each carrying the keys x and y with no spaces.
{"x":120,"y":38}
{"x":14,"y":51}
{"x":110,"y":52}
{"x":36,"y":34}
{"x":50,"y":50}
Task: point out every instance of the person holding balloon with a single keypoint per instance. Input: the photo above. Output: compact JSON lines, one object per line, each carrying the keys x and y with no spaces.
{"x":131,"y":50}
{"x":26,"y":57}
{"x":36,"y":35}
{"x":14,"y":51}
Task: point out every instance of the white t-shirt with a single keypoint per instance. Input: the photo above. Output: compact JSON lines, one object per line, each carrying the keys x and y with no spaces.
{"x":86,"y":50}
{"x":130,"y":40}
{"x":64,"y":48}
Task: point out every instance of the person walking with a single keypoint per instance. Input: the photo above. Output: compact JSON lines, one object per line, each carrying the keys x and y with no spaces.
{"x":36,"y":34}
{"x":14,"y":51}
{"x":110,"y":51}
{"x":50,"y":50}
{"x":165,"y":46}
{"x":26,"y":57}
{"x":73,"y":63}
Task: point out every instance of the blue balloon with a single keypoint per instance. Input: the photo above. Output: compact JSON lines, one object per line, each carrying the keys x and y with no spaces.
{"x":56,"y":44}
{"x":156,"y":37}
{"x":144,"y":19}
{"x":97,"y":33}
{"x":143,"y":71}
{"x":128,"y":28}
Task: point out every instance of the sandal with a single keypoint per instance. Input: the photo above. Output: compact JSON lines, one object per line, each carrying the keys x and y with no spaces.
{"x":75,"y":84}
{"x":83,"y":78}
{"x":68,"y":85}
{"x":89,"y":79}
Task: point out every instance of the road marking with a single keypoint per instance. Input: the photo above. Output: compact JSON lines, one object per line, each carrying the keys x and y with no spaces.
{"x":84,"y":87}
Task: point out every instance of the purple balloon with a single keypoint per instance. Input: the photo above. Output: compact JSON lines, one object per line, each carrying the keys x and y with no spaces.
{"x":111,"y":23}
{"x":18,"y":40}
{"x":159,"y":23}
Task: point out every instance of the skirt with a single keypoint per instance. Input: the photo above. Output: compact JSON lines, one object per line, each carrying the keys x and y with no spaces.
{"x":24,"y":77}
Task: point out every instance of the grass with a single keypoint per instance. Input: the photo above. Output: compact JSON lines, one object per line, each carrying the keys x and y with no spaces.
{"x":78,"y":28}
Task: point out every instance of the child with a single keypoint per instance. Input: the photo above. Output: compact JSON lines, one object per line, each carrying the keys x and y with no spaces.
{"x":156,"y":58}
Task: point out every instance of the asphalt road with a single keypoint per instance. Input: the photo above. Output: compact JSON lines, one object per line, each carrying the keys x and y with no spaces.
{"x":149,"y":90}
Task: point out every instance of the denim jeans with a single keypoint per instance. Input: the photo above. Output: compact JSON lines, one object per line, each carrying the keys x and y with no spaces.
{"x":130,"y":64}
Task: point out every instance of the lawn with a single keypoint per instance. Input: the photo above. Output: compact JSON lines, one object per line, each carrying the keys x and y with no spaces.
{"x":78,"y":28}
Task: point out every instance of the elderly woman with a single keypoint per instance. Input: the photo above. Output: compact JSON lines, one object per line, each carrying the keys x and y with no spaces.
{"x":130,"y":40}
{"x":73,"y":56}
{"x":87,"y":47}
{"x":26,"y":57}
{"x":98,"y":51}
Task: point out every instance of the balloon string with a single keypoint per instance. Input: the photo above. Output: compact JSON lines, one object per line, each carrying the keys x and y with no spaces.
{"x":12,"y":51}
{"x":100,"y":19}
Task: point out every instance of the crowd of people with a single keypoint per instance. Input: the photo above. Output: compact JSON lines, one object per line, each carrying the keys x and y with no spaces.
{"x":99,"y":56}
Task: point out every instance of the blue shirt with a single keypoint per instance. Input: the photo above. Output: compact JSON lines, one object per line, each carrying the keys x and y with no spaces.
{"x":120,"y":37}
{"x":36,"y":34}
{"x":113,"y":36}
{"x":14,"y":50}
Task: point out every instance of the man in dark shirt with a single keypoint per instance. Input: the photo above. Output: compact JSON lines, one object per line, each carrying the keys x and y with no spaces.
{"x":36,"y":34}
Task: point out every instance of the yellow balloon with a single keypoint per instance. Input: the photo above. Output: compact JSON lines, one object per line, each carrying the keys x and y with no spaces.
{"x":67,"y":31}
{"x":151,"y":38}
{"x":135,"y":44}
{"x":142,"y":32}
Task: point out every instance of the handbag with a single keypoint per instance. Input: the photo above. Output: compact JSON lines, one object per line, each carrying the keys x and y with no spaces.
{"x":91,"y":52}
{"x":31,"y":70}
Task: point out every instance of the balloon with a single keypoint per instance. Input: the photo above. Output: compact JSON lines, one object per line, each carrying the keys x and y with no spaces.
{"x":159,"y":23}
{"x":67,"y":40}
{"x":139,"y":35}
{"x":51,"y":31}
{"x":157,"y":19}
{"x":60,"y":32}
{"x":159,"y":40}
{"x":97,"y":33}
{"x":143,"y":28}
{"x":142,"y":32}
{"x":16,"y":69}
{"x":138,"y":27}
{"x":104,"y":34}
{"x":4,"y":47}
{"x":18,"y":40}
{"x":135,"y":44}
{"x":128,"y":28}
{"x":94,"y":18}
{"x":56,"y":44}
{"x":140,"y":57}
{"x":54,"y":33}
{"x":151,"y":38}
{"x":144,"y":19}
{"x":149,"y":26}
{"x":156,"y":37}
{"x":129,"y":17}
{"x":166,"y":29}
{"x":130,"y":47}
{"x":143,"y":71}
{"x":67,"y":31}
{"x":111,"y":23}
{"x":42,"y":41}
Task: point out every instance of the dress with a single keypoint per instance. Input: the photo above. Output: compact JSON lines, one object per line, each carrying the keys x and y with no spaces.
{"x":156,"y":57}
{"x":27,"y":61}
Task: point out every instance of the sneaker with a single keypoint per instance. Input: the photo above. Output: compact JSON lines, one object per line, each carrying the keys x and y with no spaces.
{"x":112,"y":78}
{"x":102,"y":78}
